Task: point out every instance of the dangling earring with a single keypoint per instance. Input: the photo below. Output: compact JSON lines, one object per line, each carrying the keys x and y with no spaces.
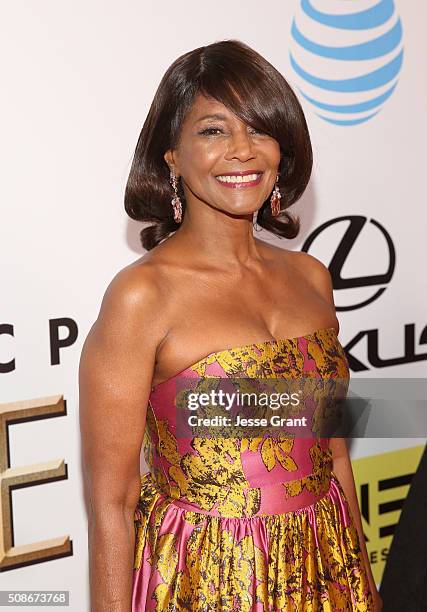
{"x":176,"y":202}
{"x":275,"y":199}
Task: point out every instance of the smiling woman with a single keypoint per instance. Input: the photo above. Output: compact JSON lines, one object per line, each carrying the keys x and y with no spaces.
{"x":216,"y":95}
{"x":235,"y":524}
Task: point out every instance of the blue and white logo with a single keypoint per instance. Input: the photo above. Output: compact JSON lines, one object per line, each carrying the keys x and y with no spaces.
{"x":346,"y":60}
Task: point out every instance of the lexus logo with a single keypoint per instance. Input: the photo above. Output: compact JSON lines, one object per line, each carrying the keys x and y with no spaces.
{"x":378,"y":282}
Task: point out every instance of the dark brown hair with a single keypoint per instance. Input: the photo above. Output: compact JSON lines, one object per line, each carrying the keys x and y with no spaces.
{"x":247,"y":84}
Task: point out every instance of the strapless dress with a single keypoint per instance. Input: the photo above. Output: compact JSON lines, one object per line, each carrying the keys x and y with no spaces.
{"x":246,"y":524}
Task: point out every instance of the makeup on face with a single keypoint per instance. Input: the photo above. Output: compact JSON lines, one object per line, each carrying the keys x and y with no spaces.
{"x":218,"y":152}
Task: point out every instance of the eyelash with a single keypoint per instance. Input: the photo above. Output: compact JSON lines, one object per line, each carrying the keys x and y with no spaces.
{"x":208,"y":131}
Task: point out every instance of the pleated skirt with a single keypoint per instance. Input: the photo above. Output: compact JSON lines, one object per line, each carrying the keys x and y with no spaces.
{"x":305,"y":560}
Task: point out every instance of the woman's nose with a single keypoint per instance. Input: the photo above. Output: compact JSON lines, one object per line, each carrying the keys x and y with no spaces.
{"x":240,"y":146}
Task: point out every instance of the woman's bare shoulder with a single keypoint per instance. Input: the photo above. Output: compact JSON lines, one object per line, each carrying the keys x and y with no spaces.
{"x":303,"y":267}
{"x":131,"y":301}
{"x":301,"y":261}
{"x":314,"y":272}
{"x":306,"y":264}
{"x":143,"y":278}
{"x":134,"y":284}
{"x":137,"y":298}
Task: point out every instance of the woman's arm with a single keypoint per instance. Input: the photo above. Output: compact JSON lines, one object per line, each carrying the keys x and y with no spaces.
{"x":321,"y":279}
{"x":115,"y":376}
{"x":344,"y":472}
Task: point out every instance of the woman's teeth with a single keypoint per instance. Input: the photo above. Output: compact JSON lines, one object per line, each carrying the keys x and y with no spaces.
{"x":227,"y":178}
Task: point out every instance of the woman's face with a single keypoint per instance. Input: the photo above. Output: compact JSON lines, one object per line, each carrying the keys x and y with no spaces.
{"x":223,"y":161}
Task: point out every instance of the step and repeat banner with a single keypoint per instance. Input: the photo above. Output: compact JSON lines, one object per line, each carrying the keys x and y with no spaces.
{"x":78,"y":79}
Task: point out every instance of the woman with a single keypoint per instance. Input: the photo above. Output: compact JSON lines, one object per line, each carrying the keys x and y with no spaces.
{"x":228,"y":524}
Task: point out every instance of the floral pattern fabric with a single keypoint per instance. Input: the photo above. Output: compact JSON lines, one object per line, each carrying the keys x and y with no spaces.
{"x":246,"y":524}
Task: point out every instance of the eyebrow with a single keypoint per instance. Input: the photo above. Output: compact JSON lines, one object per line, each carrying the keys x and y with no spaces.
{"x":212,"y":116}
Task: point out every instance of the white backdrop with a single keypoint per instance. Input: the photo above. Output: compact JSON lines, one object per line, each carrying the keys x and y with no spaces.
{"x":78,"y":78}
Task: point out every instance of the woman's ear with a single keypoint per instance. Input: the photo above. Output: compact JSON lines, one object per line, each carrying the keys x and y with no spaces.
{"x":168,"y":157}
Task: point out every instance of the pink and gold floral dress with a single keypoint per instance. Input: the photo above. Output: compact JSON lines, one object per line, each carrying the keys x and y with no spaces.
{"x":246,"y":524}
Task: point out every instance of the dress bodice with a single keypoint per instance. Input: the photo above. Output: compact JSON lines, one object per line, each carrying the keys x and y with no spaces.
{"x":244,"y":477}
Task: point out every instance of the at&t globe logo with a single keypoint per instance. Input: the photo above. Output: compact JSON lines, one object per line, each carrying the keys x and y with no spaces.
{"x":346,"y":56}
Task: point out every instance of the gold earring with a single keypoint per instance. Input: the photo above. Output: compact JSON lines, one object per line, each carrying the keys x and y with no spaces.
{"x":176,"y":202}
{"x":275,"y":199}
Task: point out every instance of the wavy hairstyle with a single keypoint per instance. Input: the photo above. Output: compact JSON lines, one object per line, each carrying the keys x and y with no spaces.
{"x":247,"y":84}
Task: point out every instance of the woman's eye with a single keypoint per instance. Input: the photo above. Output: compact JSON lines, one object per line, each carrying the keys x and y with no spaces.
{"x":210,"y":131}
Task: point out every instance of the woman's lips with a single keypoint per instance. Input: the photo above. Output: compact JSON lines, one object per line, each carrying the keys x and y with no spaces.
{"x":240,"y":181}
